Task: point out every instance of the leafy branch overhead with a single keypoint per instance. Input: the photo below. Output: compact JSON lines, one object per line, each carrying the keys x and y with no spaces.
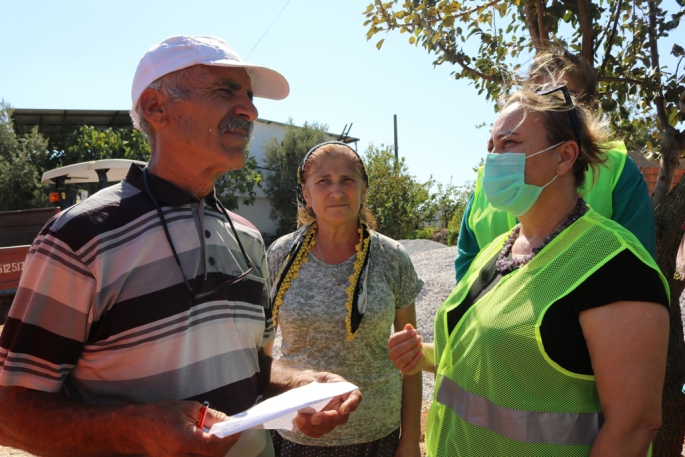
{"x":491,"y":42}
{"x":638,"y":53}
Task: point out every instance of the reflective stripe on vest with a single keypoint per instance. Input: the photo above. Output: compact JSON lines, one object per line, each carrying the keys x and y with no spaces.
{"x":487,"y":223}
{"x":525,"y":426}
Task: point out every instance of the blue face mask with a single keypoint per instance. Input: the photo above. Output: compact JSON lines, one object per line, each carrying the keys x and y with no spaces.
{"x":504,"y":182}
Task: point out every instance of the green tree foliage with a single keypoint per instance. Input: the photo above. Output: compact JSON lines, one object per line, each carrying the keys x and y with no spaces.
{"x":621,"y":38}
{"x":238,"y":187}
{"x":20,"y":184}
{"x":24,"y":159}
{"x":637,"y":92}
{"x":282,"y":160}
{"x":401,"y":205}
{"x":456,"y":198}
{"x":449,"y":200}
{"x":88,"y":143}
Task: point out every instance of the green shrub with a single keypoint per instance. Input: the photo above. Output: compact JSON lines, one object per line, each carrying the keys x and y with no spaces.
{"x":452,"y":236}
{"x":423,"y":234}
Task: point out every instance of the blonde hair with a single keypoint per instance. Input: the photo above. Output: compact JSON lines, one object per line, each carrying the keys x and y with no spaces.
{"x":305,"y":214}
{"x":558,"y":127}
{"x":558,"y":65}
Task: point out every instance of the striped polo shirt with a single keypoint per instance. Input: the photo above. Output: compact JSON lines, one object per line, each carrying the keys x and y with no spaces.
{"x":104,"y":316}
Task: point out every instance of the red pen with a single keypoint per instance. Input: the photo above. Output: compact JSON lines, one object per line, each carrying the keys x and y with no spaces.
{"x":201,"y":414}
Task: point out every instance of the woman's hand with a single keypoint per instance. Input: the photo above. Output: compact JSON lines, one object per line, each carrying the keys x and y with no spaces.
{"x":408,"y":352}
{"x":408,"y":448}
{"x":334,"y":414}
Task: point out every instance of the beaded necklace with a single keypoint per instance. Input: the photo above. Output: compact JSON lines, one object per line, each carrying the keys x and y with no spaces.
{"x":356,"y":291}
{"x":506,"y":264}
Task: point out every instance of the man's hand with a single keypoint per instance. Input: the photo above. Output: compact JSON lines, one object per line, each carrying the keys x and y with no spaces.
{"x":333,"y":414}
{"x":51,"y":425}
{"x":170,"y":427}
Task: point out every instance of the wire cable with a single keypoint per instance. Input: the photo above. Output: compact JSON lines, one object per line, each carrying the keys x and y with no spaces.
{"x":267,"y":30}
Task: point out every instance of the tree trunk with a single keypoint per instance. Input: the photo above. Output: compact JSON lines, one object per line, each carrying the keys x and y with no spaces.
{"x":669,"y":215}
{"x":532,"y":24}
{"x":670,"y":159}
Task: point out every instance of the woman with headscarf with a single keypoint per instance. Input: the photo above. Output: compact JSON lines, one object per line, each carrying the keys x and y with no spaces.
{"x":554,"y":342}
{"x":338,"y":287}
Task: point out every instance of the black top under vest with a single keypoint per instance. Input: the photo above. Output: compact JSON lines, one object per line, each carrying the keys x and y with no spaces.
{"x":623,"y":278}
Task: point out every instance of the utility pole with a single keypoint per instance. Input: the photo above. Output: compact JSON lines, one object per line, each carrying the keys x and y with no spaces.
{"x":396,"y":156}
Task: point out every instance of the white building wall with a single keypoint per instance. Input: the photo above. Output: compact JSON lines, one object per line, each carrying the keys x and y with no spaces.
{"x":258,"y":214}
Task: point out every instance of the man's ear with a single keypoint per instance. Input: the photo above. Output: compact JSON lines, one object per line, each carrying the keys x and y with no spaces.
{"x":152,"y":107}
{"x":568,"y":154}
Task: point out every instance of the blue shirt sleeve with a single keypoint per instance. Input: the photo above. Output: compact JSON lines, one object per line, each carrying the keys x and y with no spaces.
{"x":467,"y":245}
{"x":632,"y":207}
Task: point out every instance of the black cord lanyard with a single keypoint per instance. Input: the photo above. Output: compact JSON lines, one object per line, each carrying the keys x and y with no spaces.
{"x":173,"y":249}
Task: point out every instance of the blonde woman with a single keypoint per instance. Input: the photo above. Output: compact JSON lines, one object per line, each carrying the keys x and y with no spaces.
{"x":554,"y":342}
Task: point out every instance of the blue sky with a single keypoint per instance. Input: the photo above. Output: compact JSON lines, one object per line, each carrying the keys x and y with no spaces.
{"x":78,"y":54}
{"x":83,"y":54}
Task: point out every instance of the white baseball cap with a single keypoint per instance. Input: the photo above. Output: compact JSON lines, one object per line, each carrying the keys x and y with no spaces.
{"x":180,"y":52}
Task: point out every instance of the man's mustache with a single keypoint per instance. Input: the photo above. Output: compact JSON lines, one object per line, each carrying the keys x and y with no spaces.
{"x":233,"y":123}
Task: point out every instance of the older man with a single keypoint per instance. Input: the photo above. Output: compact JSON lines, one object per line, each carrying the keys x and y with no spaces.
{"x":149,"y":297}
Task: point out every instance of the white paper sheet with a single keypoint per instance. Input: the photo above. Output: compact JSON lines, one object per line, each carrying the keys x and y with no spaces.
{"x":279,"y":412}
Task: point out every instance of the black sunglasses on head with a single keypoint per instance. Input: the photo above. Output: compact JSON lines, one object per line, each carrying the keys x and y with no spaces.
{"x":572,"y":114}
{"x":198,"y":295}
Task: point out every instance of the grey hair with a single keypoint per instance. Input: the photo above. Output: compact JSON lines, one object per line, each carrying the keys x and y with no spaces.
{"x":169,"y":85}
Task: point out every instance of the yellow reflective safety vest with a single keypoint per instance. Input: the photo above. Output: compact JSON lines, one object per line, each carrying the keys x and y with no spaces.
{"x":487,"y":222}
{"x":497,"y":392}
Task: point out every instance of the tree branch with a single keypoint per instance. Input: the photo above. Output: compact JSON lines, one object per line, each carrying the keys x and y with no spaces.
{"x":384,"y":13}
{"x":473,"y":10}
{"x":454,"y":58}
{"x":670,"y":150}
{"x":610,"y":41}
{"x":586,"y":29}
{"x":654,"y":50}
{"x":669,"y":440}
{"x":543,"y":33}
{"x":379,"y":5}
{"x":670,"y":160}
{"x":532,"y":24}
{"x":609,"y":79}
{"x":624,"y":138}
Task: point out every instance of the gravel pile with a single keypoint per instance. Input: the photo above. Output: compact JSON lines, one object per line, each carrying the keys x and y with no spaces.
{"x":436,"y":268}
{"x":418,"y":246}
